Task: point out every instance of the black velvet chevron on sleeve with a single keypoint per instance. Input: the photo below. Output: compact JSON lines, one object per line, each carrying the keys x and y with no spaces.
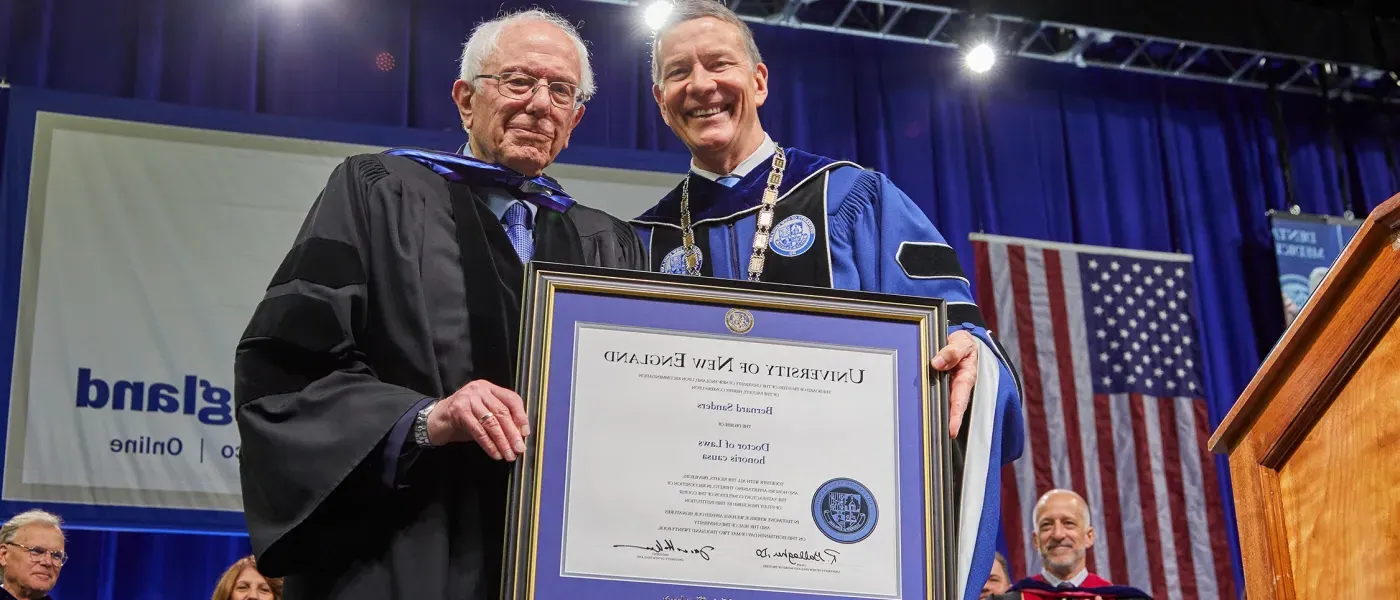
{"x":959,"y":313}
{"x":330,"y":263}
{"x":927,"y":260}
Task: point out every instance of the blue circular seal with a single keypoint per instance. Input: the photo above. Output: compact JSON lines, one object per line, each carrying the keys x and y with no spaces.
{"x":845,"y":510}
{"x":674,"y":261}
{"x":793,"y":236}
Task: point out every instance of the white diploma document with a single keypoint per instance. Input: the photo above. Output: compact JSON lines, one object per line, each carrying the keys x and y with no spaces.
{"x":732,"y":462}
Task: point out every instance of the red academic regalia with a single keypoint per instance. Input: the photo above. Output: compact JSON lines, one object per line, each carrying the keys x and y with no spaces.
{"x":1036,"y":588}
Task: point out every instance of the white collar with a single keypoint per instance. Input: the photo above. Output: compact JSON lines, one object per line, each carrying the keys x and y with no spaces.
{"x":760,"y":154}
{"x":1076,"y":581}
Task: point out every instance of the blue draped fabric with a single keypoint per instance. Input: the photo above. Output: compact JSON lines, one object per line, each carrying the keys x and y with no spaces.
{"x":145,"y":565}
{"x":1036,"y":150}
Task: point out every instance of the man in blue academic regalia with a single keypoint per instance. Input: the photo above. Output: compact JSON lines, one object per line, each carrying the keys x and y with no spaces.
{"x":750,"y":209}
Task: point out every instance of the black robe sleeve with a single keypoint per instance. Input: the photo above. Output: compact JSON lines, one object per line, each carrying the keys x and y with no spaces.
{"x":630,"y":252}
{"x":608,"y":241}
{"x":311,"y":413}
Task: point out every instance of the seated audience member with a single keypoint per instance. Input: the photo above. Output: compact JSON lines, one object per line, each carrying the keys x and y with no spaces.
{"x":32,"y":555}
{"x":242,"y":581}
{"x":1063,"y":536}
{"x":999,"y":580}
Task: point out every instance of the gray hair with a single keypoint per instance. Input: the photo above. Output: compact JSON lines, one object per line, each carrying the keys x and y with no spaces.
{"x":25,"y":519}
{"x":690,"y":10}
{"x":485,"y":37}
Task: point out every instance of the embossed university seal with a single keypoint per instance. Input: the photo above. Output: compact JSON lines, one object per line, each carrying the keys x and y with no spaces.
{"x":738,"y":320}
{"x":845,"y":510}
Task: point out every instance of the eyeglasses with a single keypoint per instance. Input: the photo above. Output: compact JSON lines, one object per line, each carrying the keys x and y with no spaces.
{"x":38,"y":554}
{"x":519,"y":86}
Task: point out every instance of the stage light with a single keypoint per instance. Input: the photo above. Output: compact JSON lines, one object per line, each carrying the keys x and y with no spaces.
{"x":980,"y":58}
{"x":384,"y":61}
{"x":656,"y":13}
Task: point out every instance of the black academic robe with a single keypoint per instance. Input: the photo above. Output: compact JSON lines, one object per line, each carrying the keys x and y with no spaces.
{"x":400,"y":286}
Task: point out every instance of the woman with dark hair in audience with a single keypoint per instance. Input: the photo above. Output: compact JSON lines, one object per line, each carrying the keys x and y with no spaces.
{"x":242,"y":581}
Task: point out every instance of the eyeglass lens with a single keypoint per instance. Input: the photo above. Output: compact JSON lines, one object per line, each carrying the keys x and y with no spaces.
{"x":521,"y":86}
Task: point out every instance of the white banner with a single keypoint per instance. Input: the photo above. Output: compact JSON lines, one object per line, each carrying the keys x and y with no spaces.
{"x":147,"y":248}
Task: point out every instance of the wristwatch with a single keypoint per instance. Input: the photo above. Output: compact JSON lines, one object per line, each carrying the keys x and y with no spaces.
{"x":420,"y":425}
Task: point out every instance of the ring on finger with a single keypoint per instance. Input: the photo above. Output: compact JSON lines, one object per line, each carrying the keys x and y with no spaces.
{"x":487,"y":418}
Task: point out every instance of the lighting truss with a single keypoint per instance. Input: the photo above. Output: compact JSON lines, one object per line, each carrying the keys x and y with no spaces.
{"x":920,"y":23}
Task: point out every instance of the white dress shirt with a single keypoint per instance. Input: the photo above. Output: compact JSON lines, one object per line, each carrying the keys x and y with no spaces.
{"x":762,"y":153}
{"x":1076,"y":581}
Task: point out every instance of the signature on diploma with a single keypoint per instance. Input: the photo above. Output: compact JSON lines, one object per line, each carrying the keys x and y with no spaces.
{"x":660,"y":547}
{"x":795,"y":556}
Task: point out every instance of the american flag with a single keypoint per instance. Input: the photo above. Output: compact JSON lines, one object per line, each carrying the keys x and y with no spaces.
{"x":1114,"y":407}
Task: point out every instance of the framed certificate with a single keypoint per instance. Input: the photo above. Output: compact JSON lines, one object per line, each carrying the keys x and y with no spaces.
{"x":706,"y":438}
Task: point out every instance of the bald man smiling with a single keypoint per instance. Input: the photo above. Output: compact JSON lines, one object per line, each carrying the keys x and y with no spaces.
{"x":1064,"y":533}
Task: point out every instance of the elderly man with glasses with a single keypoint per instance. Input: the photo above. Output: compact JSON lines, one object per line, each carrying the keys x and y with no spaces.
{"x":31,"y":555}
{"x":373,"y":381}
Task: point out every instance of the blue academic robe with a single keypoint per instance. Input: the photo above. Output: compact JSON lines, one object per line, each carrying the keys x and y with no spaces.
{"x":839,"y":225}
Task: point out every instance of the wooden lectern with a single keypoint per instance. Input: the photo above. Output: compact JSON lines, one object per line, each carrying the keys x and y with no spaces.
{"x":1314,"y":441}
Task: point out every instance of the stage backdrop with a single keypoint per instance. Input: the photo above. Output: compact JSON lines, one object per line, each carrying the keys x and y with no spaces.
{"x":146,"y":248}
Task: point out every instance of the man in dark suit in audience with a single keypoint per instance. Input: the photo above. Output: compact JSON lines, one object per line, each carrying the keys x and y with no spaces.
{"x":1063,"y":536}
{"x":31,"y":555}
{"x":999,"y":580}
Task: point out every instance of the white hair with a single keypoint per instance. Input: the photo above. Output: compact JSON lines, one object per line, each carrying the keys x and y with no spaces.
{"x":25,"y":519}
{"x":483,"y":40}
{"x":690,"y":10}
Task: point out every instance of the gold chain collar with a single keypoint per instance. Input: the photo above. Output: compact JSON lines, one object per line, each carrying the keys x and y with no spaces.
{"x":763,"y":225}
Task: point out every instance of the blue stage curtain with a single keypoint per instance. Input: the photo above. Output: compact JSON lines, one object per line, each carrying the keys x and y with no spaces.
{"x":109,"y":565}
{"x":1037,"y":150}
